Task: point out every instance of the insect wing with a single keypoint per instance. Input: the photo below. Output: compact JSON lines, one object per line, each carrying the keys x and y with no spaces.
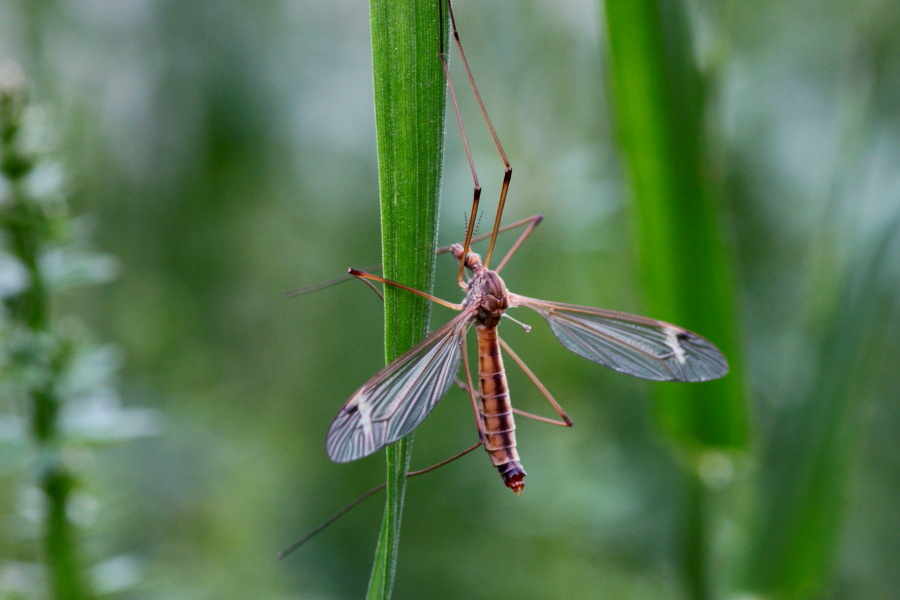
{"x":634,"y":345}
{"x":399,"y":397}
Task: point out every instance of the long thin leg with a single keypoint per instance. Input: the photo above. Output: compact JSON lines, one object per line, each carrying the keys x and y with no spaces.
{"x":507,"y":174}
{"x":471,"y":389}
{"x":484,"y":236}
{"x":476,"y":194}
{"x":372,"y":287}
{"x":566,"y":421}
{"x":540,"y":418}
{"x":464,"y":386}
{"x":364,"y":275}
{"x":315,"y":287}
{"x":364,"y":496}
{"x":531,"y":222}
{"x":443,"y":462}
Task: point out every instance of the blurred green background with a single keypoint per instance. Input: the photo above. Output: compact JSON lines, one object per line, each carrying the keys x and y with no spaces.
{"x":224,"y":153}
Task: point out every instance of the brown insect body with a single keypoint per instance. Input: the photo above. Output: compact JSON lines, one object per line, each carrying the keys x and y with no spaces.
{"x":487,"y":290}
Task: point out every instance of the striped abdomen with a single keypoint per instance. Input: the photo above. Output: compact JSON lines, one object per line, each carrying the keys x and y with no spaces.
{"x":496,"y":410}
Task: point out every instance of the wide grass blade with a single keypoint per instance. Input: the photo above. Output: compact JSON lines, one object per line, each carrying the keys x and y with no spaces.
{"x":685,"y":263}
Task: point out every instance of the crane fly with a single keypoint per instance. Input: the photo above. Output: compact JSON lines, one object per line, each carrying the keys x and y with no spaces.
{"x":398,"y":398}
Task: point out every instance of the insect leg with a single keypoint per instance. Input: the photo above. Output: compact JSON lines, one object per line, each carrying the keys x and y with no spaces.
{"x":476,"y":193}
{"x":315,"y":287}
{"x":532,"y":222}
{"x":566,"y":421}
{"x":479,"y":425}
{"x":364,"y":276}
{"x":372,"y":287}
{"x":507,"y":174}
{"x":366,"y":495}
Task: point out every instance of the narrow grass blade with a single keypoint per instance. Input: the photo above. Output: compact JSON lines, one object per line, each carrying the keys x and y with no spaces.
{"x":409,"y":115}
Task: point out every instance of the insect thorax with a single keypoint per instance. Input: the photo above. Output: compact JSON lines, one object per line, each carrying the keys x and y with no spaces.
{"x":488,"y":291}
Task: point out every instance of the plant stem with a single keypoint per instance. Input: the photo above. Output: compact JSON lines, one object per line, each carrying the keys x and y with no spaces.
{"x":695,"y":557}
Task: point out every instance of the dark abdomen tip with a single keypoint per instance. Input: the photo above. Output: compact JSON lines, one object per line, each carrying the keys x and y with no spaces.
{"x":513,"y":476}
{"x":516,"y":483}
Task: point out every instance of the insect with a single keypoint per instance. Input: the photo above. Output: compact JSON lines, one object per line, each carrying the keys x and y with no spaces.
{"x":400,"y":396}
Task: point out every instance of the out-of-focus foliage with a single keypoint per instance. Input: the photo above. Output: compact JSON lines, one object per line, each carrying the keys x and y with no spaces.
{"x":683,"y":247}
{"x":226,"y":153}
{"x":55,"y":381}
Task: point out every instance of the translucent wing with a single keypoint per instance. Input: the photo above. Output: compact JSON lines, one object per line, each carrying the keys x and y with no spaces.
{"x":630,"y":344}
{"x":399,"y":397}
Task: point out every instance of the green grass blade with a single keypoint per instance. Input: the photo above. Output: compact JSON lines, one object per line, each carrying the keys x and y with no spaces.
{"x":409,"y":115}
{"x":685,"y":266}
